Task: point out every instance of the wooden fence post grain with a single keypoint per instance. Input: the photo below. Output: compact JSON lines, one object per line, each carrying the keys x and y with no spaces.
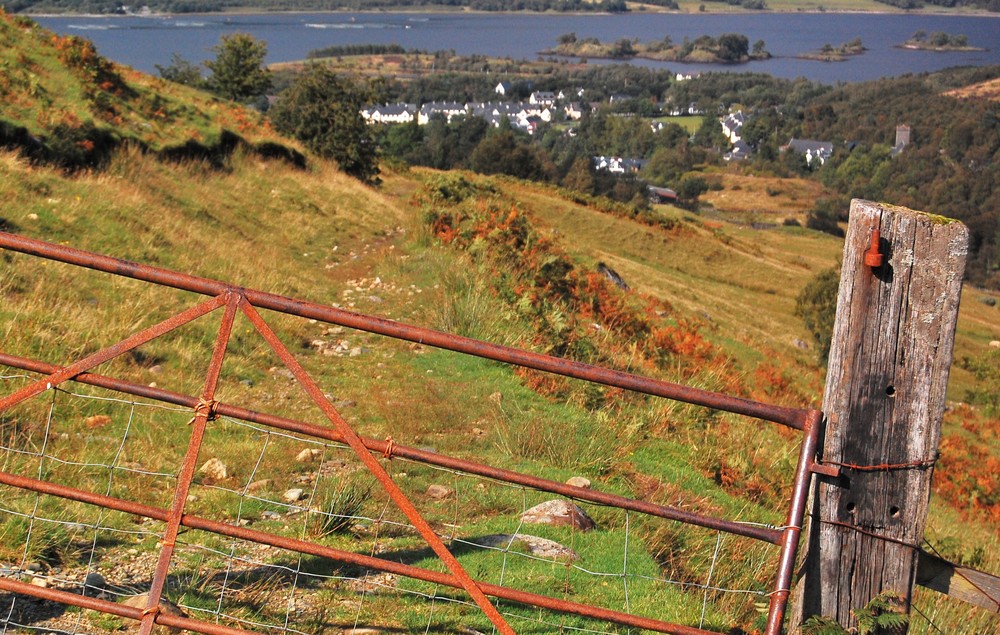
{"x":884,"y":400}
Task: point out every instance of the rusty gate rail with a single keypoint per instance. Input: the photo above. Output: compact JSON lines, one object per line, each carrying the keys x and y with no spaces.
{"x":236,"y":298}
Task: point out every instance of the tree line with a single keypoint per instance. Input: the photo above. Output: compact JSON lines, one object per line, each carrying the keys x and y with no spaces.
{"x":202,"y":6}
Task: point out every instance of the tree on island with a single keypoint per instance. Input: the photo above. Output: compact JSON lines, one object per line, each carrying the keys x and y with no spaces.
{"x":237,"y":70}
{"x":733,"y":47}
{"x":323,"y":110}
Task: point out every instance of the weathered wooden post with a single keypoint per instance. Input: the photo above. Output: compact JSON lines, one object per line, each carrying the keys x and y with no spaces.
{"x":884,"y":400}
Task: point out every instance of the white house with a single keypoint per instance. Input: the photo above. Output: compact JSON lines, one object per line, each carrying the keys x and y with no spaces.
{"x":448,"y":109}
{"x":390,"y":113}
{"x":732,"y":126}
{"x":813,"y":150}
{"x":542,"y":98}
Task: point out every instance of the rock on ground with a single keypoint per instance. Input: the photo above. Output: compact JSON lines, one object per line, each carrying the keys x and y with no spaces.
{"x":166,"y":606}
{"x":559,"y":512}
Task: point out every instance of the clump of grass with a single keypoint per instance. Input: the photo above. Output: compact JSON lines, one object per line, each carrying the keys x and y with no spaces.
{"x":341,"y":509}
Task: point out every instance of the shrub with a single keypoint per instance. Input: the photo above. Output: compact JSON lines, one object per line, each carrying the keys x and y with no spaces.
{"x":817,"y":306}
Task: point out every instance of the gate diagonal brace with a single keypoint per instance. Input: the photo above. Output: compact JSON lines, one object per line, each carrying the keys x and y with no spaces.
{"x":397,"y":495}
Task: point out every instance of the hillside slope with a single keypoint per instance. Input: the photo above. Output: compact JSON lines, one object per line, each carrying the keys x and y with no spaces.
{"x":308,"y":231}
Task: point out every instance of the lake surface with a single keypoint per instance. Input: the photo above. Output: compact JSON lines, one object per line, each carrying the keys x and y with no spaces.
{"x":144,"y":42}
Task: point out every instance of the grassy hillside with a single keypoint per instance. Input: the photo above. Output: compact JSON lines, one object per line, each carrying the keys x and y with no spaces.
{"x":711,"y":304}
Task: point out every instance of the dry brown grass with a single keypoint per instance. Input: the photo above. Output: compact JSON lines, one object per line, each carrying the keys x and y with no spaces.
{"x":990,"y":89}
{"x":774,"y":199}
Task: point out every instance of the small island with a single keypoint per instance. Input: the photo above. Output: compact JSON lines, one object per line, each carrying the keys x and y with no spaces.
{"x":829,"y":53}
{"x":728,"y":48}
{"x":938,"y":41}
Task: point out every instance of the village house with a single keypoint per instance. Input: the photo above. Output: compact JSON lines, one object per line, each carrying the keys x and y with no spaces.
{"x":618,"y":165}
{"x":448,"y":109}
{"x":573,"y":111}
{"x":390,"y":113}
{"x":813,"y":150}
{"x":542,"y":98}
{"x":504,"y":88}
{"x":741,"y":150}
{"x":732,"y":126}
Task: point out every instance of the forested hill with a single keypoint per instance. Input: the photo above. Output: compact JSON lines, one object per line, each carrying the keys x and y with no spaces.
{"x":207,"y":6}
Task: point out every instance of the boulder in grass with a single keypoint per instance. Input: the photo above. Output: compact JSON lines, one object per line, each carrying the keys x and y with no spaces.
{"x":166,"y":606}
{"x":559,"y":512}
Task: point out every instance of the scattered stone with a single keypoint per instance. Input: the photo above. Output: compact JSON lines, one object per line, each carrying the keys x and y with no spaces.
{"x":559,"y":512}
{"x":281,"y":371}
{"x":355,"y":352}
{"x":439,"y":492}
{"x":192,"y":498}
{"x":166,"y":606}
{"x":40,"y":581}
{"x":156,"y":369}
{"x":95,"y":581}
{"x":97,"y":421}
{"x":364,"y":631}
{"x":347,"y":403}
{"x":270,"y":515}
{"x":214,"y":468}
{"x":800,"y":344}
{"x":541,"y":547}
{"x":497,"y":398}
{"x":995,"y":344}
{"x":261,"y":485}
{"x":247,"y":382}
{"x":309,"y":455}
{"x":293,"y":495}
{"x":33,"y":567}
{"x":478,"y":432}
{"x":579,"y":481}
{"x":32,"y":216}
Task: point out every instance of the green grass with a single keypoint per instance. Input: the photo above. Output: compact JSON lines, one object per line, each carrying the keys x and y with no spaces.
{"x":315,"y":234}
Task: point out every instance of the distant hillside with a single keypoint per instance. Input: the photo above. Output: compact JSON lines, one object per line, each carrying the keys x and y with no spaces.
{"x":989,"y":89}
{"x":65,"y":104}
{"x":206,"y":6}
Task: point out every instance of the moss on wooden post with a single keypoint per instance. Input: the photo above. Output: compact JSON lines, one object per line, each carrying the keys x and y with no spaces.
{"x":884,"y":400}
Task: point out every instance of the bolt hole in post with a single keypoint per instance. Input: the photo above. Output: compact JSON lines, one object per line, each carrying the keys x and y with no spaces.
{"x":890,"y":390}
{"x":894,"y":511}
{"x":850,"y":508}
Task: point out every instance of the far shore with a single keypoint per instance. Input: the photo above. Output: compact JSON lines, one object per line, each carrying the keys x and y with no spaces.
{"x":446,"y":10}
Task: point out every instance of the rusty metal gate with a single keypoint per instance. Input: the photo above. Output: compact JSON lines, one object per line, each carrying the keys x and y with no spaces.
{"x":204,"y":408}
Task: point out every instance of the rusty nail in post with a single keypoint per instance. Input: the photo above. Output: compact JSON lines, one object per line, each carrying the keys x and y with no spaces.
{"x":873,"y":257}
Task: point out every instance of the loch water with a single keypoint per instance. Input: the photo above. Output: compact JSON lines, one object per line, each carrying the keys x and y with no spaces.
{"x":146,"y":41}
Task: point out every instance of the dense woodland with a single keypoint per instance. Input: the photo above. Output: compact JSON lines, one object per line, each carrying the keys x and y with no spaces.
{"x":989,"y":5}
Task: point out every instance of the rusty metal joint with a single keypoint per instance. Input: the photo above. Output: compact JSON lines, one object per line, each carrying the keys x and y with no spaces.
{"x":816,"y":467}
{"x":874,"y":257}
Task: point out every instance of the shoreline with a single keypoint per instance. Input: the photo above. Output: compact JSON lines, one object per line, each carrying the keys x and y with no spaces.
{"x":446,"y":11}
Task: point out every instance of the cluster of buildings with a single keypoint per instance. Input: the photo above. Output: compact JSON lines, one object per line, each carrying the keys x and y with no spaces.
{"x":815,"y":152}
{"x":541,"y":106}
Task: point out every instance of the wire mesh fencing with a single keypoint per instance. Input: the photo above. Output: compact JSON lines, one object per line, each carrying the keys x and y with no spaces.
{"x":128,"y":503}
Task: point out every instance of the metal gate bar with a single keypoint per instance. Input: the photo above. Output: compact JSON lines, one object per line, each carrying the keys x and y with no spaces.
{"x":809,"y":421}
{"x":756,"y":531}
{"x":791,"y":417}
{"x":370,"y":562}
